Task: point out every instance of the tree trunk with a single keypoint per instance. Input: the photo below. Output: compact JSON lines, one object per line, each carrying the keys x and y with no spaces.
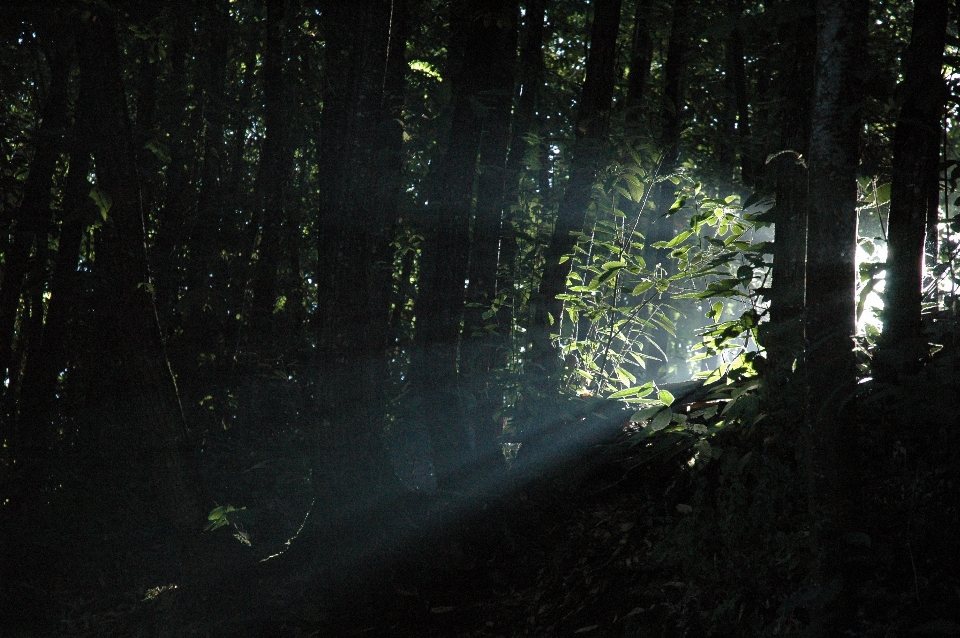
{"x":34,"y":209}
{"x":169,"y":232}
{"x":641,"y":57}
{"x":443,"y":264}
{"x":672,"y":99}
{"x":495,"y":99}
{"x":831,"y":302}
{"x":785,"y":337}
{"x":361,"y":150}
{"x":914,"y":190}
{"x":143,"y":424}
{"x":737,"y":91}
{"x":37,"y":396}
{"x":272,"y":175}
{"x":592,"y":125}
{"x":525,"y":122}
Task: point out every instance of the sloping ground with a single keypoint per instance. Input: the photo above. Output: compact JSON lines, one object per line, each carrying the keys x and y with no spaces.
{"x":641,"y":536}
{"x":716,"y":549}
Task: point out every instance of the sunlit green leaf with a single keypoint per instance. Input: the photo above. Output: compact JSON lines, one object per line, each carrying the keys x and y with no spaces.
{"x":636,"y":391}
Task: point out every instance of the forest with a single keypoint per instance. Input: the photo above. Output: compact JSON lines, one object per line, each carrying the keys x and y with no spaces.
{"x":488,"y":318}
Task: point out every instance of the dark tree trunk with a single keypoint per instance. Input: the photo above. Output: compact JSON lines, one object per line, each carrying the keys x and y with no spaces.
{"x":236,"y":238}
{"x":592,"y":125}
{"x":737,"y":91}
{"x":143,"y":426}
{"x":830,"y":321}
{"x":272,"y":174}
{"x":207,"y":236}
{"x":360,"y":148}
{"x":798,"y":40}
{"x":531,"y":76}
{"x":914,"y":190}
{"x":443,"y":264}
{"x":34,"y":213}
{"x":672,"y":99}
{"x":641,"y":57}
{"x":173,"y":212}
{"x":495,"y":99}
{"x":37,"y":396}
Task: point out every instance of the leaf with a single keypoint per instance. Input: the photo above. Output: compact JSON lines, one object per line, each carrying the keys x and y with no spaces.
{"x":635,"y":186}
{"x":665,"y":397}
{"x":883,"y":194}
{"x":679,"y":238}
{"x":426,"y":68}
{"x":677,"y":205}
{"x":715,"y":311}
{"x":642,"y":287}
{"x":625,"y":375}
{"x":154,"y":148}
{"x":102,"y":200}
{"x":215,"y":524}
{"x":661,"y":420}
{"x":637,"y":391}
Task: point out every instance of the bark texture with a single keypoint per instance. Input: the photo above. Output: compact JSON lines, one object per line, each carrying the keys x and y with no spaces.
{"x":273,"y":173}
{"x":641,"y":57}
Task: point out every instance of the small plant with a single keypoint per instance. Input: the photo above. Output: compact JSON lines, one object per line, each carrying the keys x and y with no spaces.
{"x":617,"y":303}
{"x":220,"y":517}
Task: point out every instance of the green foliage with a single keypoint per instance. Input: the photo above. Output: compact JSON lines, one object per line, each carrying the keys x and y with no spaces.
{"x":617,"y":302}
{"x":220,"y":517}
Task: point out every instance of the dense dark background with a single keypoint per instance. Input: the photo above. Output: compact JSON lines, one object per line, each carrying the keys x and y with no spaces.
{"x":480,"y":318}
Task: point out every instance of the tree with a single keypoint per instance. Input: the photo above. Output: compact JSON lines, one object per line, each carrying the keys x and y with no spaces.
{"x":360,"y":182}
{"x":144,"y":425}
{"x":587,"y":152}
{"x":831,"y":278}
{"x":273,"y":172}
{"x":479,"y":73}
{"x":790,"y":240}
{"x":915,"y":185}
{"x":641,"y":57}
{"x":494,"y":102}
{"x":32,"y":220}
{"x":736,"y":80}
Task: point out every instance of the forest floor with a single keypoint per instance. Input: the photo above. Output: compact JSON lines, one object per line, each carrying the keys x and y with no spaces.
{"x":602,"y":545}
{"x":567,"y":566}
